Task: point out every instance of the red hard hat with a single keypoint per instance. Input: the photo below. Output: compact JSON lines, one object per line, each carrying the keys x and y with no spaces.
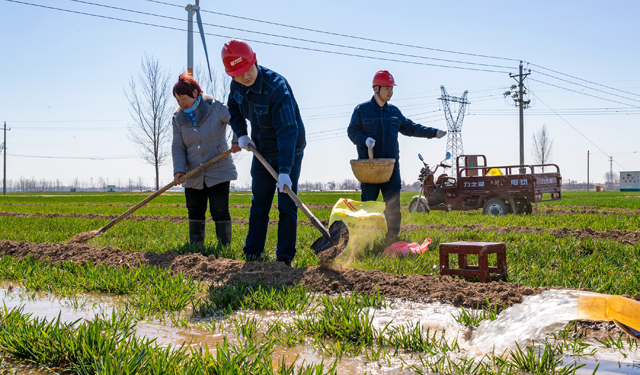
{"x":383,"y":78}
{"x":237,"y":57}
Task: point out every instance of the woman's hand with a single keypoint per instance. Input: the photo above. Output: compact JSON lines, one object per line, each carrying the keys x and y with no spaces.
{"x":235,"y":147}
{"x":178,"y":178}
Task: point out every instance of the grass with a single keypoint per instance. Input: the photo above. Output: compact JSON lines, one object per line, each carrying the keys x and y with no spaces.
{"x":108,"y":345}
{"x":149,"y":290}
{"x":337,"y":326}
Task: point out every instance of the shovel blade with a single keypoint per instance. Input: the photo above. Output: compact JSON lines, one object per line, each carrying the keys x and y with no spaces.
{"x":331,"y":249}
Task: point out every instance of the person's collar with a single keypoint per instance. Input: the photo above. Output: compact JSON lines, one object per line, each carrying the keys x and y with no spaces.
{"x":257,"y":85}
{"x":375,"y":104}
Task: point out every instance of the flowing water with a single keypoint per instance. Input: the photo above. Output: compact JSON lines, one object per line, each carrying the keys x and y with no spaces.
{"x":533,"y":319}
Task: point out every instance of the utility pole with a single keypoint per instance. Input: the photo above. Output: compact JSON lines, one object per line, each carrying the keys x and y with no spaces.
{"x":4,"y":148}
{"x":587,"y":170}
{"x":518,"y":98}
{"x":191,"y":10}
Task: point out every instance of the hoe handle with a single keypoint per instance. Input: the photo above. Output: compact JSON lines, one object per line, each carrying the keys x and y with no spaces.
{"x":165,"y":188}
{"x":314,"y":220}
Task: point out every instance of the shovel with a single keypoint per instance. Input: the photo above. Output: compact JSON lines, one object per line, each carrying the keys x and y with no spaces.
{"x":85,"y":236}
{"x":334,"y":240}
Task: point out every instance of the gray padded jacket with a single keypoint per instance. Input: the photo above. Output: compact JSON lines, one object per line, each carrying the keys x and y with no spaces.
{"x":194,"y":146}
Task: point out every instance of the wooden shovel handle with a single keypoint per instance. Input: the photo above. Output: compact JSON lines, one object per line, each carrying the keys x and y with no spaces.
{"x":165,"y":188}
{"x":314,"y":220}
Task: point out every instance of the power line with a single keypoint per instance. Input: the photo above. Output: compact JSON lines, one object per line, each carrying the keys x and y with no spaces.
{"x":292,"y":38}
{"x":590,"y":88}
{"x":580,"y":79}
{"x":75,"y":157}
{"x":340,"y":35}
{"x":257,"y":41}
{"x":574,"y":128}
{"x":594,"y":96}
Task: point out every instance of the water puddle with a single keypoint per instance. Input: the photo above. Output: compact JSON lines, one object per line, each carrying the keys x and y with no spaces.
{"x":534,"y":319}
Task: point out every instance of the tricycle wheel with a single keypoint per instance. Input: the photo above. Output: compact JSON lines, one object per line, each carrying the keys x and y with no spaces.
{"x":523,"y":206}
{"x":418,"y":206}
{"x":495,"y":206}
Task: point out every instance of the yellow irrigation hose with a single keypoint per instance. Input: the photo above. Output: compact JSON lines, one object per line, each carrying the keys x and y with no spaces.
{"x":594,"y":306}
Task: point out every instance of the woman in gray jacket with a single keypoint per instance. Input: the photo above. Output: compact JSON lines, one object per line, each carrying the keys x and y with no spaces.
{"x":199,"y":135}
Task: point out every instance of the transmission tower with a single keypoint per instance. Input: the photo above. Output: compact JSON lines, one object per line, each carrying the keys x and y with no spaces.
{"x":454,"y":128}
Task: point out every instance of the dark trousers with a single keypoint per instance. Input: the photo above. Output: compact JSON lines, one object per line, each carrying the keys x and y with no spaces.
{"x":390,"y":195}
{"x":217,"y":196}
{"x":263,"y":187}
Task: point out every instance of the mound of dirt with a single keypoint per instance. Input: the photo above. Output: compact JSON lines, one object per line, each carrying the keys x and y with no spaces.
{"x":323,"y":279}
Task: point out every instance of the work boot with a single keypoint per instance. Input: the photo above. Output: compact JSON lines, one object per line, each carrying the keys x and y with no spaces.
{"x":196,"y":232}
{"x":223,"y":232}
{"x":284,"y":261}
{"x":390,"y":239}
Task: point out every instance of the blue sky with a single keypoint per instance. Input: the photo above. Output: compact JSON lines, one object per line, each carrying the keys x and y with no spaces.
{"x":63,"y":77}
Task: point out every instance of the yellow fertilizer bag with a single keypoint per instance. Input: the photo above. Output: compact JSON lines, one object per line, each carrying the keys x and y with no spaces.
{"x":362,"y":219}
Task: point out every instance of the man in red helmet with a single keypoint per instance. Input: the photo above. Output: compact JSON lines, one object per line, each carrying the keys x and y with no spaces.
{"x":376,"y":124}
{"x":265,"y":98}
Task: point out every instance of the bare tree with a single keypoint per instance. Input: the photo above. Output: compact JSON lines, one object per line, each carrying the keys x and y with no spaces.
{"x":218,"y":86}
{"x":149,"y":98}
{"x":542,"y":146}
{"x":611,"y":179}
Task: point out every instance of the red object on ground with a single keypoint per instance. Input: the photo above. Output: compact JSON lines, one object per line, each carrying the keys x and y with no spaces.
{"x":402,"y":248}
{"x":482,"y":250}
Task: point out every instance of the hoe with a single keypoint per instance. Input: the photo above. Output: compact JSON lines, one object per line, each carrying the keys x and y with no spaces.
{"x":330,"y":245}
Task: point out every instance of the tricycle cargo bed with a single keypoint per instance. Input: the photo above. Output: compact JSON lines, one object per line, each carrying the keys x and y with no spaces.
{"x":538,"y":183}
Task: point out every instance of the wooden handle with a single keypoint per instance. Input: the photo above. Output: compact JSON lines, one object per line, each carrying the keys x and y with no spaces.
{"x":370,"y":152}
{"x":165,"y":188}
{"x":314,"y":220}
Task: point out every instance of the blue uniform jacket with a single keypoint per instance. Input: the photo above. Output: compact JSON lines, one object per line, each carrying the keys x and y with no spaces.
{"x":276,"y":125}
{"x":382,"y":124}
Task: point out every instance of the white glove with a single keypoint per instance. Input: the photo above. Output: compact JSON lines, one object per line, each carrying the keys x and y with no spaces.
{"x":284,"y":179}
{"x":370,"y":142}
{"x":441,"y":133}
{"x":244,"y":142}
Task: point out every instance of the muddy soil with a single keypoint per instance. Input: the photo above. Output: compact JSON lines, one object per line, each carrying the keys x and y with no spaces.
{"x":323,"y":279}
{"x":627,"y":237}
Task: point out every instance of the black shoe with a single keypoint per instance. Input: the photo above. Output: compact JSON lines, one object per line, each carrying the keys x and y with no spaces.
{"x":196,"y":232}
{"x":223,"y":232}
{"x":286,"y":262}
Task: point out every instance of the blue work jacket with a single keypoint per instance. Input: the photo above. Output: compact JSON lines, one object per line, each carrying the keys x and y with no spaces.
{"x":276,"y":125}
{"x":382,"y":124}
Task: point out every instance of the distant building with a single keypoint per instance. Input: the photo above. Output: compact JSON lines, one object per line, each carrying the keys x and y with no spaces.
{"x":111,"y":188}
{"x":630,"y":181}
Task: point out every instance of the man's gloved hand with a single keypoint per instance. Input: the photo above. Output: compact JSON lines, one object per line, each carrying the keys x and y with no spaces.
{"x":370,"y":142}
{"x":244,"y":142}
{"x":284,"y":179}
{"x":441,"y":133}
